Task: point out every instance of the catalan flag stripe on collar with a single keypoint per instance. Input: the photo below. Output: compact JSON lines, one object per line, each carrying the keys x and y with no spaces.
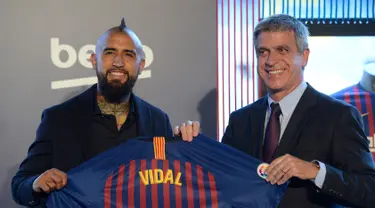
{"x":159,"y":148}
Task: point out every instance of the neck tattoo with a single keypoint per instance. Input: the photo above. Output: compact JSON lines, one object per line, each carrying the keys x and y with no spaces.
{"x":120,"y":110}
{"x":111,"y":108}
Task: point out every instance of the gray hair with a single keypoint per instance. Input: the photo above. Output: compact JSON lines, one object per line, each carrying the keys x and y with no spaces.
{"x":281,"y":23}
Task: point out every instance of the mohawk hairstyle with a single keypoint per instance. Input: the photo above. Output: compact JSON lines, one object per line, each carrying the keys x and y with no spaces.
{"x":123,"y":24}
{"x":121,"y":28}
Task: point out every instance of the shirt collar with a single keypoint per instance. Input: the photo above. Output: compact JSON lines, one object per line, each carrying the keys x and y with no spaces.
{"x":289,"y":102}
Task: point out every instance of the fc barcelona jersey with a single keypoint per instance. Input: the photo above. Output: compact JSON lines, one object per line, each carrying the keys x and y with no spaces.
{"x":161,"y":172}
{"x":364,"y":101}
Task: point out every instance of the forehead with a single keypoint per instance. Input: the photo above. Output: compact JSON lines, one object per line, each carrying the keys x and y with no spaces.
{"x":272,"y":39}
{"x":118,"y":40}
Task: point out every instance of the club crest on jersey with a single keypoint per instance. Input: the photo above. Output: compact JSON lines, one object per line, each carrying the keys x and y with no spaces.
{"x":261,"y":170}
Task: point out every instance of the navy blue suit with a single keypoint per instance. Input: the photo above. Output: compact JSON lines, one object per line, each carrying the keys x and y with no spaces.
{"x":321,"y":128}
{"x":63,"y":140}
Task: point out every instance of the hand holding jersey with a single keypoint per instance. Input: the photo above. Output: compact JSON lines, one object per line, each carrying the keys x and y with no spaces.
{"x":285,"y":167}
{"x":279,"y":170}
{"x":54,"y":179}
{"x":187,"y":130}
{"x":167,"y":172}
{"x":50,"y":180}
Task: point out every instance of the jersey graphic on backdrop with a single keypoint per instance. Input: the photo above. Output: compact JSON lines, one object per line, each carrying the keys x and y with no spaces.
{"x":159,"y":172}
{"x":364,"y":101}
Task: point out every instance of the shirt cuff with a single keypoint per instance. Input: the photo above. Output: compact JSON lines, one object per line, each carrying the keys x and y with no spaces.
{"x":319,"y":180}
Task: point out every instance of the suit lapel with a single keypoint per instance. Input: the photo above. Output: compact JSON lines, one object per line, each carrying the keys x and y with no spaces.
{"x":257,"y":119}
{"x":297,"y":121}
{"x":86,"y":108}
{"x":143,"y":117}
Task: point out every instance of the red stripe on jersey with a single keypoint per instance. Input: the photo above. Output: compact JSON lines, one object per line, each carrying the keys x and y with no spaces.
{"x":357,"y":99}
{"x":158,"y":142}
{"x":107,"y":192}
{"x":120,"y":183}
{"x":370,"y":116}
{"x":177,"y":189}
{"x":166,"y":195}
{"x":189,"y":187}
{"x":142,"y":186}
{"x":154,"y":187}
{"x":159,"y":148}
{"x":202,"y":193}
{"x":214,"y":199}
{"x":163,"y":145}
{"x":131,"y":184}
{"x":347,"y":97}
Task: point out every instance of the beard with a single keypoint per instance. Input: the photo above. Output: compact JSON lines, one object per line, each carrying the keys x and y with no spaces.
{"x":114,"y":91}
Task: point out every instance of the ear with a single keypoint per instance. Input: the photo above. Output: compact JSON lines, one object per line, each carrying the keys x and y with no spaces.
{"x":93,"y":60}
{"x":142,"y":66}
{"x":305,"y":57}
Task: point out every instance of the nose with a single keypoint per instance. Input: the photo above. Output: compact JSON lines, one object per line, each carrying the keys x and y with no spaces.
{"x":118,"y":62}
{"x":272,"y":59}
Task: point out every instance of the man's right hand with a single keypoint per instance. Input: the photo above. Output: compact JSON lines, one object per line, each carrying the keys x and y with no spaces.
{"x":187,"y":130}
{"x":50,"y":180}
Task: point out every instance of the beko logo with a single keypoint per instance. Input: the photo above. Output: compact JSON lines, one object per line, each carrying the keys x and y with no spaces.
{"x":82,"y":56}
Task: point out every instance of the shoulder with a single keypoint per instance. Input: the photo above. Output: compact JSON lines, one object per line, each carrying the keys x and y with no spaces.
{"x":144,"y":105}
{"x":334,"y":106}
{"x":78,"y":103}
{"x":244,"y":112}
{"x":327,"y":100}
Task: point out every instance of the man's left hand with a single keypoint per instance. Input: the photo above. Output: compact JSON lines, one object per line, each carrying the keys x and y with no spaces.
{"x":285,"y":167}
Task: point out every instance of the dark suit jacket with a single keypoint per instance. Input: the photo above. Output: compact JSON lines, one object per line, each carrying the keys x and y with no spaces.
{"x":63,"y":138}
{"x":321,"y":128}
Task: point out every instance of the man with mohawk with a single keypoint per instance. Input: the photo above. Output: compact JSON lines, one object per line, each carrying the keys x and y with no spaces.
{"x":102,"y":117}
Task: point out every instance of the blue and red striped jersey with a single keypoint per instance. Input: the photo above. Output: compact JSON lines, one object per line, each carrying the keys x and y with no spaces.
{"x":163,"y":172}
{"x":364,"y":101}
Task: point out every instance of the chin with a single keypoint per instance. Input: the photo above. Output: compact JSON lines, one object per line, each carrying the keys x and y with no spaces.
{"x":275,"y":85}
{"x":115,"y":83}
{"x":275,"y":88}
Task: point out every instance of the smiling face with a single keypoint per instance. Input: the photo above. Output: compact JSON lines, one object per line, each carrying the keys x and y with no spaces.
{"x":280,"y":64}
{"x":117,"y":65}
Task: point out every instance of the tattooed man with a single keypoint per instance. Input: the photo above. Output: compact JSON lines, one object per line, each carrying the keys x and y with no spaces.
{"x":100,"y":118}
